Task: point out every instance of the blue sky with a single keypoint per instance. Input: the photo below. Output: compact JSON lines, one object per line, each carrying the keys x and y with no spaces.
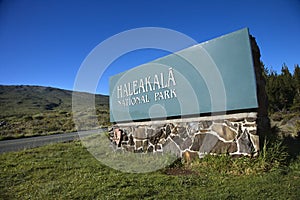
{"x":45,"y":42}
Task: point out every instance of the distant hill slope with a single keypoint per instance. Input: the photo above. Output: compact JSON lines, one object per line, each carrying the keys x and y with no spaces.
{"x":23,"y":99}
{"x":37,"y":110}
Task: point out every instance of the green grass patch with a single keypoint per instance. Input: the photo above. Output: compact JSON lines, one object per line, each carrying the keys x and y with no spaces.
{"x":69,"y":171}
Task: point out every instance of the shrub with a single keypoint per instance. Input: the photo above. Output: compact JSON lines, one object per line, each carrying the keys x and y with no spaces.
{"x":273,"y":157}
{"x":28,"y":118}
{"x":38,"y":116}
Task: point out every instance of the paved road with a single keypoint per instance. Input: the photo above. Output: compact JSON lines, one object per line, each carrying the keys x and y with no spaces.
{"x":27,"y":143}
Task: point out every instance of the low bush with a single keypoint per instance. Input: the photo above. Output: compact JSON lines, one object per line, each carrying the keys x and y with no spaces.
{"x":272,"y":157}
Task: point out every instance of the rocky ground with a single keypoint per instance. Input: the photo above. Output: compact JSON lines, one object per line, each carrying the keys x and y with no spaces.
{"x":287,"y":123}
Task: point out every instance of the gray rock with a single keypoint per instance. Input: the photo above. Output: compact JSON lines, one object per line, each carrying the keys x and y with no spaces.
{"x":150,"y":132}
{"x":150,"y":149}
{"x":205,"y":124}
{"x":245,"y":144}
{"x":172,"y":148}
{"x":224,"y":132}
{"x":208,"y":143}
{"x":250,"y":119}
{"x":138,"y":144}
{"x":155,"y":139}
{"x":131,"y":142}
{"x":193,"y":128}
{"x":181,"y":130}
{"x":186,"y":144}
{"x":168,"y":131}
{"x":145,"y":145}
{"x":162,"y":141}
{"x":178,"y":140}
{"x":125,"y":137}
{"x":255,"y":142}
{"x":222,"y":147}
{"x":140,"y":133}
{"x":197,"y":143}
{"x":231,"y":125}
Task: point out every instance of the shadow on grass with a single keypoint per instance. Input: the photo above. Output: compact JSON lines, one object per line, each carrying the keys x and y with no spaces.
{"x":289,"y":142}
{"x":293,"y":145}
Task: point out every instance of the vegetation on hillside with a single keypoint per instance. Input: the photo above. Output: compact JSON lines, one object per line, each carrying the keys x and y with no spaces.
{"x":35,"y":110}
{"x":283,"y":91}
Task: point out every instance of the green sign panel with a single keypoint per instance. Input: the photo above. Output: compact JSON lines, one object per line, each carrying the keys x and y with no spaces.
{"x":214,"y":76}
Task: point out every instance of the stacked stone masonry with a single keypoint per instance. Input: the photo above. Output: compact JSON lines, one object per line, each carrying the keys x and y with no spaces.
{"x":234,"y":134}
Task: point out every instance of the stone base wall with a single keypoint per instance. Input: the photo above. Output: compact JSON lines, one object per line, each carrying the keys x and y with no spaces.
{"x":234,"y":134}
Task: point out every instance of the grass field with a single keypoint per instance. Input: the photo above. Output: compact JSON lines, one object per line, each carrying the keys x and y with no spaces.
{"x":69,"y":171}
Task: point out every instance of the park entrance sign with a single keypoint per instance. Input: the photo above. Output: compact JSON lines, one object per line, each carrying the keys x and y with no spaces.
{"x":199,"y":100}
{"x":215,"y":76}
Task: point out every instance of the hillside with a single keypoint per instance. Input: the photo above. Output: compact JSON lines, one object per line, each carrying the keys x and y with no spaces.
{"x":37,"y":110}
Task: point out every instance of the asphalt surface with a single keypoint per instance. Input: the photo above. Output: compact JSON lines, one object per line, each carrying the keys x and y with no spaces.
{"x":31,"y":142}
